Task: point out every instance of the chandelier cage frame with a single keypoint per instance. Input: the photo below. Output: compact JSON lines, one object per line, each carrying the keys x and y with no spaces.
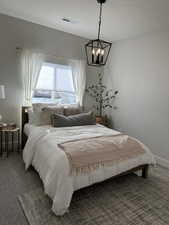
{"x":97,"y":51}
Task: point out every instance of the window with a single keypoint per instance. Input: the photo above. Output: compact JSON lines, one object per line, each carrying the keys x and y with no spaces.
{"x":55,"y":85}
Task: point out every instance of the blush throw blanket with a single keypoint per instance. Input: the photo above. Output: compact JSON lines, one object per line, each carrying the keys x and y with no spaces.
{"x":86,"y":155}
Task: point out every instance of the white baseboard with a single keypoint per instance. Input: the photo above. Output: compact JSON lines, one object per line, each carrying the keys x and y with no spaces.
{"x":162,"y":162}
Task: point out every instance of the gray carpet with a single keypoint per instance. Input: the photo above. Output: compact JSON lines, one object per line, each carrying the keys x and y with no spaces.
{"x":13,"y":182}
{"x":129,"y":200}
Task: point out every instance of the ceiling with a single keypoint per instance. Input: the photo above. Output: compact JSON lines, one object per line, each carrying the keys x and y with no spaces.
{"x":122,"y":19}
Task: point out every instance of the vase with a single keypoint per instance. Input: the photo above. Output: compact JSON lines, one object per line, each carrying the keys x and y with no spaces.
{"x":100,"y":120}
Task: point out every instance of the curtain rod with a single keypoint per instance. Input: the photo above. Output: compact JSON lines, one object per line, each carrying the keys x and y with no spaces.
{"x":51,"y":55}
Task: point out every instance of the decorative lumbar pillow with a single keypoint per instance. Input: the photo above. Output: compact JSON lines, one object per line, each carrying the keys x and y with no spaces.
{"x":74,"y":120}
{"x":72,"y":110}
{"x":39,"y":118}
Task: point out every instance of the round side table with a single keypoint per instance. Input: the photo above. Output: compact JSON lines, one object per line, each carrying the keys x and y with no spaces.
{"x":7,"y":137}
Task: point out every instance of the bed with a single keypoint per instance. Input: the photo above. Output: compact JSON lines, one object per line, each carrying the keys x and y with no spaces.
{"x":44,"y":153}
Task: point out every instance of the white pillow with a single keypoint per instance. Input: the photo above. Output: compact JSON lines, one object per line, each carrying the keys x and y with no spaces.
{"x":39,"y":118}
{"x":37,"y":107}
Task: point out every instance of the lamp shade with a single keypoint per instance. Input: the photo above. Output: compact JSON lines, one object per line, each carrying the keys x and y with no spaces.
{"x":2,"y":92}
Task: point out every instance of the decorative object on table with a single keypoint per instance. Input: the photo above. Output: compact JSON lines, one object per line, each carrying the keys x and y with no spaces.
{"x":103,"y":98}
{"x":7,"y":134}
{"x":100,"y":120}
{"x":2,"y":96}
{"x":2,"y":125}
{"x":97,"y":51}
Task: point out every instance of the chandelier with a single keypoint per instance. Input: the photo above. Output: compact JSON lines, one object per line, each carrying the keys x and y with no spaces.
{"x":97,"y":51}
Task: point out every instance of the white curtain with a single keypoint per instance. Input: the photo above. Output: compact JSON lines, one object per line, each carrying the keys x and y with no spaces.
{"x":31,"y":64}
{"x":79,"y":78}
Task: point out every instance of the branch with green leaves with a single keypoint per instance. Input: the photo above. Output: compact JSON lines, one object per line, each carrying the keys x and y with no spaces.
{"x":102,"y":96}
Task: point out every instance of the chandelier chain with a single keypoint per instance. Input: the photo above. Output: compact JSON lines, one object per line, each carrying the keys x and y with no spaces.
{"x":100,"y":20}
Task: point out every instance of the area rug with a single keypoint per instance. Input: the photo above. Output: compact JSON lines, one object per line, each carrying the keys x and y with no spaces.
{"x":128,"y":200}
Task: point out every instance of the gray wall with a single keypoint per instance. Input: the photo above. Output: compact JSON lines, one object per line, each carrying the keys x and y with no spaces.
{"x":139,"y":69}
{"x":15,"y":32}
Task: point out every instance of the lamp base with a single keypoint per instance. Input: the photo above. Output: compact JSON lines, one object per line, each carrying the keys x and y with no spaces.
{"x":100,"y":120}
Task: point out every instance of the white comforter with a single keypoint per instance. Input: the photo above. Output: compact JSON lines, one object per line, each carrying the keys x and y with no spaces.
{"x":50,"y":161}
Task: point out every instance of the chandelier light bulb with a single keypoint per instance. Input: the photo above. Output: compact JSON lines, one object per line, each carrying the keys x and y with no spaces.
{"x":98,"y":51}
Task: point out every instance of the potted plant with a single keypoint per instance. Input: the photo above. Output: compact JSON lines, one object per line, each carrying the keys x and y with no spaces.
{"x":103,"y":98}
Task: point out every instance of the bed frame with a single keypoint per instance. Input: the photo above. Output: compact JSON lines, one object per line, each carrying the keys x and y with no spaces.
{"x":25,"y":119}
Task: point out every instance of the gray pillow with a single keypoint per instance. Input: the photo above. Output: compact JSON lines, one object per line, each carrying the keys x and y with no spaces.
{"x":72,"y":110}
{"x":74,"y":120}
{"x":54,"y":109}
